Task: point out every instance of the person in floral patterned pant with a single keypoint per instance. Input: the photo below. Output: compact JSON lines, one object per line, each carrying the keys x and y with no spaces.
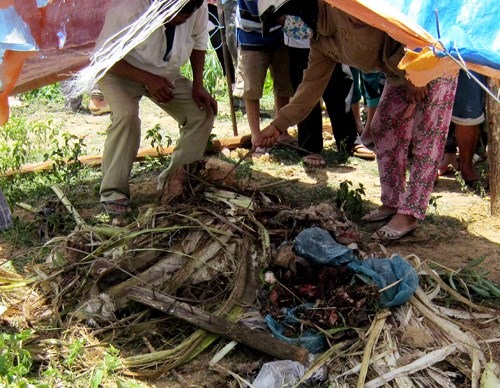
{"x":410,"y":121}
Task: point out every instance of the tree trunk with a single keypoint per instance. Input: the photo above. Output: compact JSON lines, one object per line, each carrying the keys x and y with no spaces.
{"x":493,"y":116}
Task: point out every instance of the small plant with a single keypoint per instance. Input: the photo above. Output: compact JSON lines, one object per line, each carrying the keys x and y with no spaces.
{"x":210,"y":142}
{"x":15,"y":361}
{"x":156,"y":140}
{"x":267,"y":101}
{"x":461,"y":182}
{"x":477,"y":187}
{"x":24,"y":142}
{"x":49,"y":93}
{"x":65,"y":157}
{"x":350,"y":201}
{"x":76,"y":349}
{"x":244,"y":170}
{"x":212,"y":72}
{"x":471,"y":281}
{"x":106,"y":368}
{"x":433,"y":202}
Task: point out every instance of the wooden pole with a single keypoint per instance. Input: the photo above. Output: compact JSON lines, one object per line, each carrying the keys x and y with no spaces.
{"x":227,"y":58}
{"x":493,"y":117}
{"x":259,"y":340}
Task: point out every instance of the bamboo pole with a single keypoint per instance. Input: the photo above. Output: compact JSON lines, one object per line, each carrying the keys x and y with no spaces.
{"x":227,"y":69}
{"x":143,"y":154}
{"x":71,"y":209}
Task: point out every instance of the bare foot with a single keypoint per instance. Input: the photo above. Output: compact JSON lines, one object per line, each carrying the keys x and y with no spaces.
{"x":448,"y":165}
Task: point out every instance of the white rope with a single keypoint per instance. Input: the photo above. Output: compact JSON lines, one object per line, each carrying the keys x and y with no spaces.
{"x":121,"y":43}
{"x":461,"y":63}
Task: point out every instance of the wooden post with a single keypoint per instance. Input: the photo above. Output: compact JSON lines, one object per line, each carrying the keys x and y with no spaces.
{"x":227,"y":58}
{"x":493,"y":117}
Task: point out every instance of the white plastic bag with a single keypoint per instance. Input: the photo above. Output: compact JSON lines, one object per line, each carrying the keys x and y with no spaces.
{"x":279,"y":374}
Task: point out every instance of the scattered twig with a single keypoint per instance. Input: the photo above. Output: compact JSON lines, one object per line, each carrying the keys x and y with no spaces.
{"x":274,"y":184}
{"x":375,"y":329}
{"x":71,"y":209}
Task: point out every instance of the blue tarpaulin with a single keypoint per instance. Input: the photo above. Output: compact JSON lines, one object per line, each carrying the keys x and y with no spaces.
{"x":468,"y":29}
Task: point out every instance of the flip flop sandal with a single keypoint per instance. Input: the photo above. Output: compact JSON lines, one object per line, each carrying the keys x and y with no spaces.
{"x":378,"y":215}
{"x":117,"y":207}
{"x":362,"y":152}
{"x":309,"y":161}
{"x":387,"y":233}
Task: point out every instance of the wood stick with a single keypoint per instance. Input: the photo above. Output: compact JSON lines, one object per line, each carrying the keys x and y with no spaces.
{"x":233,"y":330}
{"x":493,"y":116}
{"x":69,"y":207}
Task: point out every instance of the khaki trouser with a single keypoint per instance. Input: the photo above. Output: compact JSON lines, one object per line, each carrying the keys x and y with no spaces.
{"x":123,"y":136}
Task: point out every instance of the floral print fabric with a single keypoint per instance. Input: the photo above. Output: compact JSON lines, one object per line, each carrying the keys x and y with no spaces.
{"x":295,"y":27}
{"x":411,"y":135}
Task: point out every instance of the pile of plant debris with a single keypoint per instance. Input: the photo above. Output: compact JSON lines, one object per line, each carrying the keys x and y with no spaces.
{"x":167,"y":286}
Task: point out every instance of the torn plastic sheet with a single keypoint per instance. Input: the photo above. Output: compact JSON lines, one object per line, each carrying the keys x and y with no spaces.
{"x":319,"y":247}
{"x":312,"y":340}
{"x":15,"y":34}
{"x":395,"y":276}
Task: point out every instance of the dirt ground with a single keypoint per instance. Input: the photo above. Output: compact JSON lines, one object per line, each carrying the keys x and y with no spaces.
{"x":458,"y":229}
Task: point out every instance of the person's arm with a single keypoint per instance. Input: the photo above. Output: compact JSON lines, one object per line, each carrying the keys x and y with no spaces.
{"x":202,"y":98}
{"x":316,"y":77}
{"x":159,"y":87}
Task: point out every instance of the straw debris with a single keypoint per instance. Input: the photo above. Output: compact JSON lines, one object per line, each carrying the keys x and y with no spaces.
{"x":208,"y":255}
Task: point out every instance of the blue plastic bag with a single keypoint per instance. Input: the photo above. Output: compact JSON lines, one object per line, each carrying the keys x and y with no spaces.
{"x":384,"y":272}
{"x":312,"y":340}
{"x":317,"y":246}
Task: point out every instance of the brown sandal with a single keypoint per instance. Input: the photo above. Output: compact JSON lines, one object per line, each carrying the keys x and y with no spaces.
{"x":362,"y":152}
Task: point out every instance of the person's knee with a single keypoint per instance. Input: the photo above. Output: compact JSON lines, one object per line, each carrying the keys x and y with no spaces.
{"x":199,"y":120}
{"x":129,"y":117}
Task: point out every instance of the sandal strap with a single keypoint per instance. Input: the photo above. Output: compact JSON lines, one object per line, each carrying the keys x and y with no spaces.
{"x":121,"y":204}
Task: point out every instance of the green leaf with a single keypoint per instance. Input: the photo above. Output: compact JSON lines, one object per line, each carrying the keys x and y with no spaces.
{"x":475,"y":262}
